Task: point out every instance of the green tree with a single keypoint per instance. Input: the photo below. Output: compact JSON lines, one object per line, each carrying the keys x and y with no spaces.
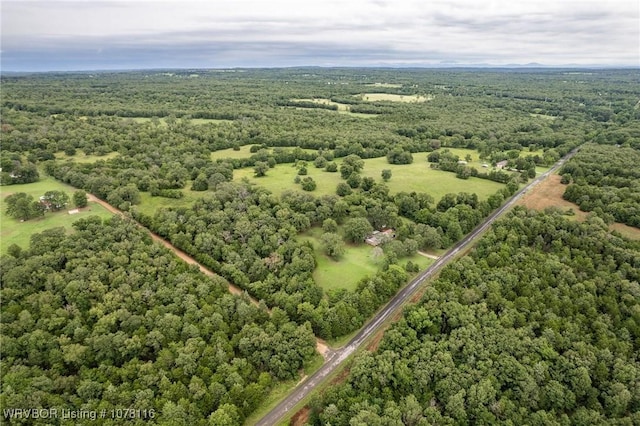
{"x":343,"y":189}
{"x":329,"y":225}
{"x":22,"y":206}
{"x":308,"y":184}
{"x":56,"y":200}
{"x":80,"y":198}
{"x":357,"y":229}
{"x":332,"y":245}
{"x":260,"y":169}
{"x":386,"y":175}
{"x":200,"y":183}
{"x":331,"y":167}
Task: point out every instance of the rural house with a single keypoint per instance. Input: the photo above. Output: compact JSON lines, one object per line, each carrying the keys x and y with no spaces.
{"x":380,"y":237}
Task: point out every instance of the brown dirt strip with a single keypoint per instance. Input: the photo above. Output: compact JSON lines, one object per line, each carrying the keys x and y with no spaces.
{"x":321,"y":346}
{"x":548,"y":193}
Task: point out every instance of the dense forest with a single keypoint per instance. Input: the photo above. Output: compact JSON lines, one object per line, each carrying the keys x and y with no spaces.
{"x":539,"y":325}
{"x":165,"y":125}
{"x":105,"y":319}
{"x":101,"y":317}
{"x":605,"y":180}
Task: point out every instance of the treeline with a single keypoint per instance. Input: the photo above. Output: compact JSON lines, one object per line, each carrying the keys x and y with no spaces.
{"x":15,"y":169}
{"x":605,"y":179}
{"x":538,"y":325}
{"x":104,"y":319}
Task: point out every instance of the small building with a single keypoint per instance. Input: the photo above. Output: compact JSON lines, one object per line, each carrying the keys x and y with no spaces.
{"x":380,"y":237}
{"x":462,"y":162}
{"x":501,"y":164}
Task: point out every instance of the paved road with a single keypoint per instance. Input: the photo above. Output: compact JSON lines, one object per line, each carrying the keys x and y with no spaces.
{"x":337,"y":357}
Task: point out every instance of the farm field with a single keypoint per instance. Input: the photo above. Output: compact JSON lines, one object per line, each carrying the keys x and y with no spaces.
{"x":377,"y":97}
{"x":418,"y":177}
{"x":17,"y":232}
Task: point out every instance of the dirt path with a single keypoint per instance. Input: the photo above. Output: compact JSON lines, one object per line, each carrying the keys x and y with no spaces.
{"x":321,"y":345}
{"x":430,"y":256}
{"x":182,"y":255}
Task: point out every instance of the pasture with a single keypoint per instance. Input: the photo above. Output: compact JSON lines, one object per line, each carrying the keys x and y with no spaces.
{"x":378,"y":97}
{"x":13,"y":231}
{"x":358,"y":261}
{"x":418,"y":177}
{"x":342,"y":108}
{"x":81,"y":157}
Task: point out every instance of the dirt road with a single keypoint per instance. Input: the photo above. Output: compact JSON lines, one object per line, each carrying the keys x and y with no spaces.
{"x":322,"y":348}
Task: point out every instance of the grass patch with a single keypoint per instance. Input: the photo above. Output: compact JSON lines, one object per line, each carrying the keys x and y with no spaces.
{"x":356,"y":263}
{"x":418,"y":177}
{"x":543,"y":116}
{"x":13,"y":231}
{"x":392,"y":85}
{"x":81,"y":157}
{"x":245,"y":152}
{"x":281,"y":178}
{"x":322,"y":101}
{"x":626,"y":231}
{"x":148,"y":204}
{"x":377,"y":97}
{"x":342,"y":108}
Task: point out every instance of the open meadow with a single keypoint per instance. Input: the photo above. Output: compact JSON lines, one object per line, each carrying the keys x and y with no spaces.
{"x":418,"y":177}
{"x":14,"y":231}
{"x":358,"y":261}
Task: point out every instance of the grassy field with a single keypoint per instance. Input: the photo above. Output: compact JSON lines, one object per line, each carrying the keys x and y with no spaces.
{"x":394,"y":85}
{"x":149,"y":204}
{"x":342,"y":108}
{"x":81,"y":157}
{"x":375,"y":97}
{"x":244,"y":152}
{"x":417,"y":176}
{"x":357,"y":262}
{"x":13,"y":231}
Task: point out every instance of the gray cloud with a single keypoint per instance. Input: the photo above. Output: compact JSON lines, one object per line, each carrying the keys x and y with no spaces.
{"x":114,"y":34}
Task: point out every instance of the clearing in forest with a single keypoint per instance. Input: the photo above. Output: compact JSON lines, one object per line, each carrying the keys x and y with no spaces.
{"x":375,"y":97}
{"x":13,"y":231}
{"x":417,"y":176}
{"x":548,"y":193}
{"x":358,"y":261}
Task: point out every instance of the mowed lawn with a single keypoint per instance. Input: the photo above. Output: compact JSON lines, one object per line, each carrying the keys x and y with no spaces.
{"x":13,"y":231}
{"x":359,"y":261}
{"x":418,"y":177}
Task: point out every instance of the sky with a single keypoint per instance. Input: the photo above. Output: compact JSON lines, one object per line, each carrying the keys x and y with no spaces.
{"x":54,"y":35}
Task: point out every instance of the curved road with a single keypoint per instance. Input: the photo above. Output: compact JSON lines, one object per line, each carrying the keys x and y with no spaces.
{"x":336,"y":357}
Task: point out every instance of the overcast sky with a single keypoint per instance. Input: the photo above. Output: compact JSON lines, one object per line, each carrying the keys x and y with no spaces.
{"x":89,"y":35}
